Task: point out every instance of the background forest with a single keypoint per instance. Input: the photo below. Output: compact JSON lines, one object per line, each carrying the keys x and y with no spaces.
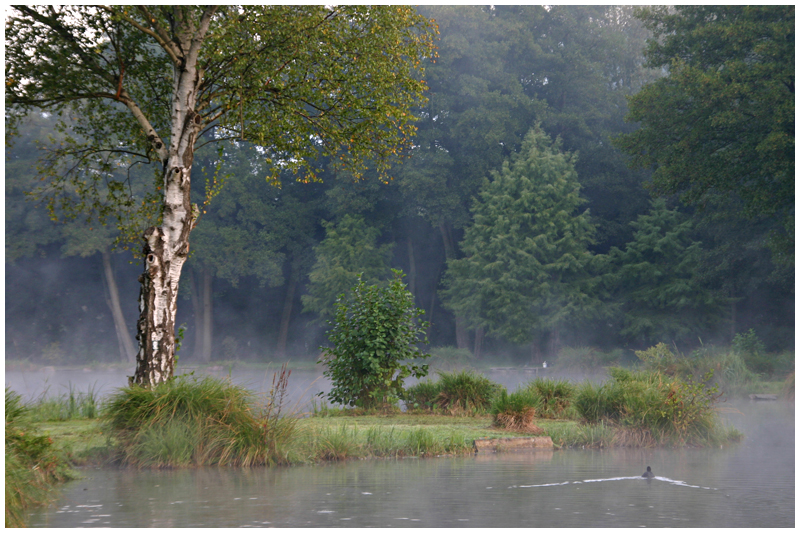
{"x":523,"y":229}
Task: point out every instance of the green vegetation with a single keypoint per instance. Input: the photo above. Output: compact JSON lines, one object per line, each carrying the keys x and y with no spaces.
{"x":33,"y":464}
{"x":374,"y":339}
{"x":527,"y":267}
{"x":516,"y":411}
{"x":651,"y":409}
{"x":189,"y":421}
{"x":464,"y":392}
{"x":68,"y":406}
{"x":728,"y":138}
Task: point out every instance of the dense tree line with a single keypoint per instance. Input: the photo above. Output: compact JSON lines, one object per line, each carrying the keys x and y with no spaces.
{"x":516,"y":216}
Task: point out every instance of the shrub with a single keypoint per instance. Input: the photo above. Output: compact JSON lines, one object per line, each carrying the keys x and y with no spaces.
{"x":464,"y":392}
{"x":517,"y":410}
{"x":374,"y":339}
{"x":190,"y":421}
{"x":33,"y":464}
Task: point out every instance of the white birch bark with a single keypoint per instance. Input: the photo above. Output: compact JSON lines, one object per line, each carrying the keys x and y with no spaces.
{"x":166,"y":248}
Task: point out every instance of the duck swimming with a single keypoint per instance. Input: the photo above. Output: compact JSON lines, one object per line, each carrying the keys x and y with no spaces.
{"x":649,"y":473}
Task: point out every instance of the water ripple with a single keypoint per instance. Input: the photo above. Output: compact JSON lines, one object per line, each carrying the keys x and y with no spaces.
{"x":675,"y":482}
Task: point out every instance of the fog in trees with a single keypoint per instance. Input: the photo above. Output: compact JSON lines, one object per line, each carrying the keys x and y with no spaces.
{"x":267,"y":257}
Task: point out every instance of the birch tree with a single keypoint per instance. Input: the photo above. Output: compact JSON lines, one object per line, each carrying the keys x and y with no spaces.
{"x":142,"y":84}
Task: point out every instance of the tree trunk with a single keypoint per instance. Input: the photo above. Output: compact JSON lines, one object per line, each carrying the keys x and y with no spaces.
{"x":198,"y":315}
{"x":412,"y":270}
{"x":555,"y":342}
{"x":126,"y":349}
{"x":462,"y":336}
{"x":288,"y":304}
{"x":478,"y":342}
{"x":166,"y":247}
{"x":208,"y":316}
{"x":733,"y":317}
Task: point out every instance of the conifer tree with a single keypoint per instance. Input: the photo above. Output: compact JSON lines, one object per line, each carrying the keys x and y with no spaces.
{"x":659,"y":283}
{"x":525,"y":271}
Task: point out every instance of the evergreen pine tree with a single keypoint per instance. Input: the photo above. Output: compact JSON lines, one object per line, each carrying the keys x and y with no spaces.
{"x":658,"y":281}
{"x":525,"y":271}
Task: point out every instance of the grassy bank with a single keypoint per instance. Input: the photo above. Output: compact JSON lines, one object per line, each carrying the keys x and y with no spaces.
{"x":33,"y":464}
{"x":206,"y":421}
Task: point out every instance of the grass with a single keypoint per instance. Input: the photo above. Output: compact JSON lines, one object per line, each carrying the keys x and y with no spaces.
{"x":648,"y":408}
{"x":33,"y":464}
{"x":68,"y":406}
{"x":516,"y":411}
{"x":192,"y":422}
{"x":457,"y":393}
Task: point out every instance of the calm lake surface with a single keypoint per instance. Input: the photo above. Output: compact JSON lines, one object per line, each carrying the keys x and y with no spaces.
{"x":746,"y":485}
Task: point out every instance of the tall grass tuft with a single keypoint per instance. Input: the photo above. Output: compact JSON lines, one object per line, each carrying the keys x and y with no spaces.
{"x":33,"y":465}
{"x":457,"y":393}
{"x":517,"y":410}
{"x":556,"y":396}
{"x":191,"y":421}
{"x":336,"y":443}
{"x":422,"y":396}
{"x":465,"y":392}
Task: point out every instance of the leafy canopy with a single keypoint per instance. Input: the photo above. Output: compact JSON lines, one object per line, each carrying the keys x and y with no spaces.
{"x":720,"y":126}
{"x":295,"y":80}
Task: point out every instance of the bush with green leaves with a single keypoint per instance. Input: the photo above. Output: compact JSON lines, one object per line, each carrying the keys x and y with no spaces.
{"x":374,"y":345}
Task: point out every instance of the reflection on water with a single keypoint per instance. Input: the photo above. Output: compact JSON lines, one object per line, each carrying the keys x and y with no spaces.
{"x":747,"y":485}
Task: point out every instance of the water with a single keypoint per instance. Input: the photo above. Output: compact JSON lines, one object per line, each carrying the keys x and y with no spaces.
{"x":746,"y":485}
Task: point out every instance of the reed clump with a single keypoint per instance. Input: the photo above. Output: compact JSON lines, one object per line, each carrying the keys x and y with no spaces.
{"x":193,"y":422}
{"x":516,"y":411}
{"x":456,"y":393}
{"x":556,"y":397}
{"x":33,"y":464}
{"x":648,"y":408}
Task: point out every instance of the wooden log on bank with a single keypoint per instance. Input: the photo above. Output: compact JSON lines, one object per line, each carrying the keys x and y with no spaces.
{"x":512,"y":443}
